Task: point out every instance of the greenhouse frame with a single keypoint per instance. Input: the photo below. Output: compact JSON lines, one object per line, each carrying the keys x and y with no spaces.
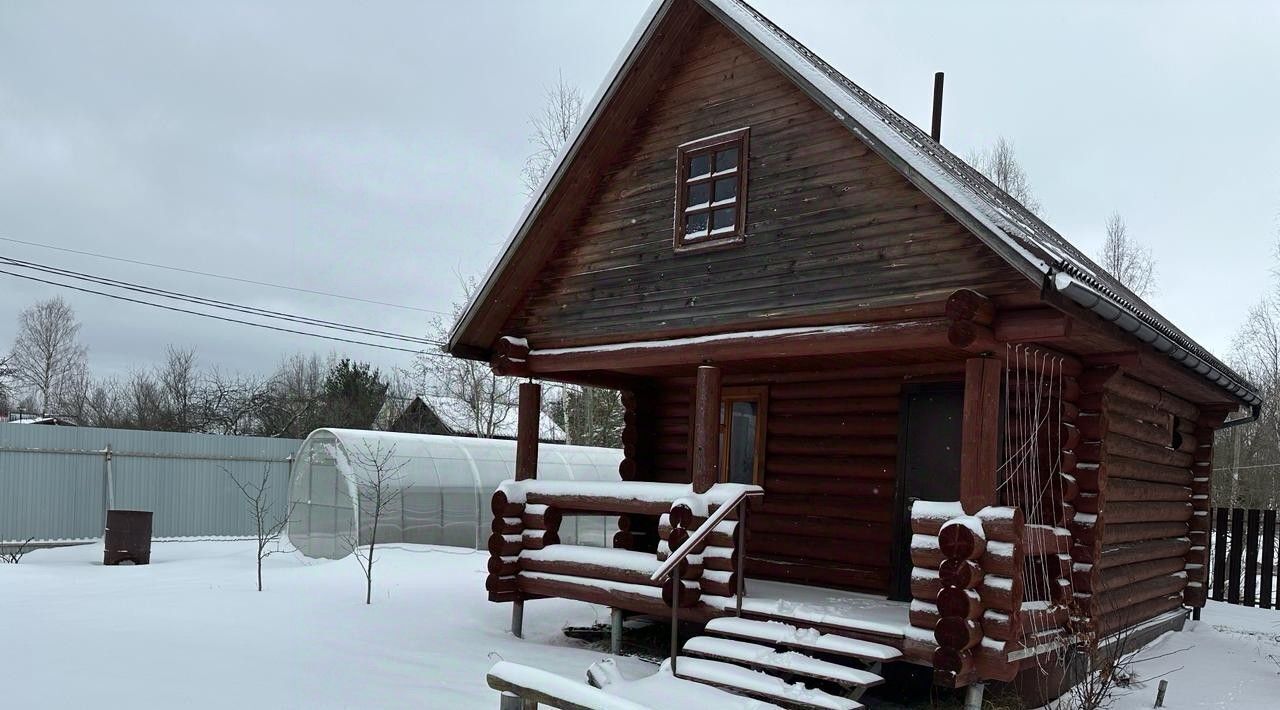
{"x":443,"y":487}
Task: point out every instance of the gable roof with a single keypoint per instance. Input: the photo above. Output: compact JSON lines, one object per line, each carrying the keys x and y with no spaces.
{"x":1001,"y":222}
{"x":457,"y":419}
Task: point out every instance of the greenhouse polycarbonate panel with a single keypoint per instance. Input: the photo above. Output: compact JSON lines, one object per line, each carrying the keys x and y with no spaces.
{"x":53,"y":480}
{"x":448,"y":483}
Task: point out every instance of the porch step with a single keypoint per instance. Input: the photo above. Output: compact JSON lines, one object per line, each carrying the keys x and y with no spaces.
{"x":765,"y":658}
{"x":762,"y":686}
{"x":804,"y":639}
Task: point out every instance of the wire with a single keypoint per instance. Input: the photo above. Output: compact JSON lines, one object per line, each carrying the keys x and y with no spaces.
{"x":223,"y":318}
{"x":199,"y":300}
{"x":223,"y":276}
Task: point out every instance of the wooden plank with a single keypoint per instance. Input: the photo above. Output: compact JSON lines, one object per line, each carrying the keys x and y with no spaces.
{"x":980,"y":435}
{"x":1268,"y":558}
{"x":863,"y":338}
{"x":1252,"y":533}
{"x":1220,"y":553}
{"x":705,"y":453}
{"x":529,"y":414}
{"x":1234,"y":552}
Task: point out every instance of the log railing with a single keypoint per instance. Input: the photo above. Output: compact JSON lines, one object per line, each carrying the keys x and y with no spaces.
{"x":669,"y":571}
{"x":526,"y":560}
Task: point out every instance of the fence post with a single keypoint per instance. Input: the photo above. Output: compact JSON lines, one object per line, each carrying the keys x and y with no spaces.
{"x":108,"y":496}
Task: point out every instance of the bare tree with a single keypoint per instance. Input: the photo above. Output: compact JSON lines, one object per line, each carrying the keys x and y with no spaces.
{"x":552,"y":128}
{"x":47,"y":355}
{"x":291,"y":403}
{"x":180,"y":390}
{"x":1000,"y":164}
{"x":231,"y":402}
{"x":1247,"y":457}
{"x":6,"y":386}
{"x":589,"y":416}
{"x":261,"y":506}
{"x":1126,"y":259}
{"x":475,"y":393}
{"x":12,"y":553}
{"x":379,"y":487}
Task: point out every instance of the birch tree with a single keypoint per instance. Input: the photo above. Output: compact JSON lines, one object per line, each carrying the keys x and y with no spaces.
{"x":47,"y":357}
{"x":1000,"y":164}
{"x":1127,"y":259}
{"x":552,"y":127}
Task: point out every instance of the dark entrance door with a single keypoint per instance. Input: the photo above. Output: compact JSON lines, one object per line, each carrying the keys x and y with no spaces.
{"x":928,"y":462}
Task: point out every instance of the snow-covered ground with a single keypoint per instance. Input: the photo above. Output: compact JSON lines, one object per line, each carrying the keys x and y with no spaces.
{"x":189,"y":631}
{"x":1228,"y":659}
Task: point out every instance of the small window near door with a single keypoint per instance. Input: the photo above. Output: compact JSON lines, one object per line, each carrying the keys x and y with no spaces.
{"x":743,"y":413}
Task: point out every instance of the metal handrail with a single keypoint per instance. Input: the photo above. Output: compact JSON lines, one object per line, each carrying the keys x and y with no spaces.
{"x":677,"y":558}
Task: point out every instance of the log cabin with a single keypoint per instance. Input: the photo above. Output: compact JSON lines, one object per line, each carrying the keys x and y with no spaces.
{"x":875,"y":409}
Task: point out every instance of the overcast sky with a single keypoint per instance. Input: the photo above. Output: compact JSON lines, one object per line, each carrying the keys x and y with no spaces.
{"x":374,"y":149}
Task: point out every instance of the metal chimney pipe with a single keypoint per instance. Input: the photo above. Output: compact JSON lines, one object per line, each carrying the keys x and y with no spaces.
{"x":936,"y":133}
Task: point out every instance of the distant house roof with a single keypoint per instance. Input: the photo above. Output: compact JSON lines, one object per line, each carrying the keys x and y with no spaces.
{"x":45,"y":421}
{"x":438,"y":414}
{"x":999,"y":220}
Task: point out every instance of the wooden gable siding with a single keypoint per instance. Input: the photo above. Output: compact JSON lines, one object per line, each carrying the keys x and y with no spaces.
{"x":830,"y":469}
{"x":832,"y":230}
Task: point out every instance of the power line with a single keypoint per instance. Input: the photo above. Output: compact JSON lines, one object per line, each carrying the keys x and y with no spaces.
{"x":223,"y":318}
{"x":223,"y":276}
{"x":200,"y":300}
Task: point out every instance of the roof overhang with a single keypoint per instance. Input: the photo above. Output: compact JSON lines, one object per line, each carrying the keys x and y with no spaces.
{"x":995,"y":218}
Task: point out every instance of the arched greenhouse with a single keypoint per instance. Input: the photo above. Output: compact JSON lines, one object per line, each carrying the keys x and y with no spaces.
{"x":444,"y":483}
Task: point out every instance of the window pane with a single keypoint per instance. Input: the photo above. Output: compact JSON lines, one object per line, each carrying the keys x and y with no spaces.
{"x":723,"y":218}
{"x":700,"y":165}
{"x":726,"y":189}
{"x":727,"y":159}
{"x":699,"y":194}
{"x":695,"y":225}
{"x":742,"y":442}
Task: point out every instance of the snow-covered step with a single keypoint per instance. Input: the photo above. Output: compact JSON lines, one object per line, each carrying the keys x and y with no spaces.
{"x":768,"y":659}
{"x":782,"y":634}
{"x":755,"y":684}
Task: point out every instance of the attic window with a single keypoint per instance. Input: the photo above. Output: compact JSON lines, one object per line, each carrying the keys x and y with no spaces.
{"x":711,"y":191}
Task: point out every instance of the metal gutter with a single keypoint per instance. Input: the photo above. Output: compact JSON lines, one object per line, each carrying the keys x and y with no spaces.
{"x":1083,"y":290}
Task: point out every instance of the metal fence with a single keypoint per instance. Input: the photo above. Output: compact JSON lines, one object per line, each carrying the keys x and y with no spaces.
{"x":1245,"y":566}
{"x":56,"y":482}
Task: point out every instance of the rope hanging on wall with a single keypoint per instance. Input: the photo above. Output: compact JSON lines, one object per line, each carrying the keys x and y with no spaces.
{"x":1029,"y":476}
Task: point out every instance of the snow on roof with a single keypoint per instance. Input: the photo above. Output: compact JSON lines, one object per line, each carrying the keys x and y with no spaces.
{"x":456,"y":415}
{"x":999,"y":220}
{"x":1024,"y":237}
{"x":493,"y":459}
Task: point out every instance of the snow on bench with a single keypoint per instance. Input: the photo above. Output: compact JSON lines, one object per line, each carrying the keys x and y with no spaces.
{"x":766,"y":658}
{"x":616,"y":558}
{"x":777,"y":632}
{"x":553,"y":690}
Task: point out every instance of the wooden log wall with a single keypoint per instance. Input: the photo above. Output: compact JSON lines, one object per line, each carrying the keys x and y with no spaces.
{"x":1133,"y":532}
{"x":830,"y":469}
